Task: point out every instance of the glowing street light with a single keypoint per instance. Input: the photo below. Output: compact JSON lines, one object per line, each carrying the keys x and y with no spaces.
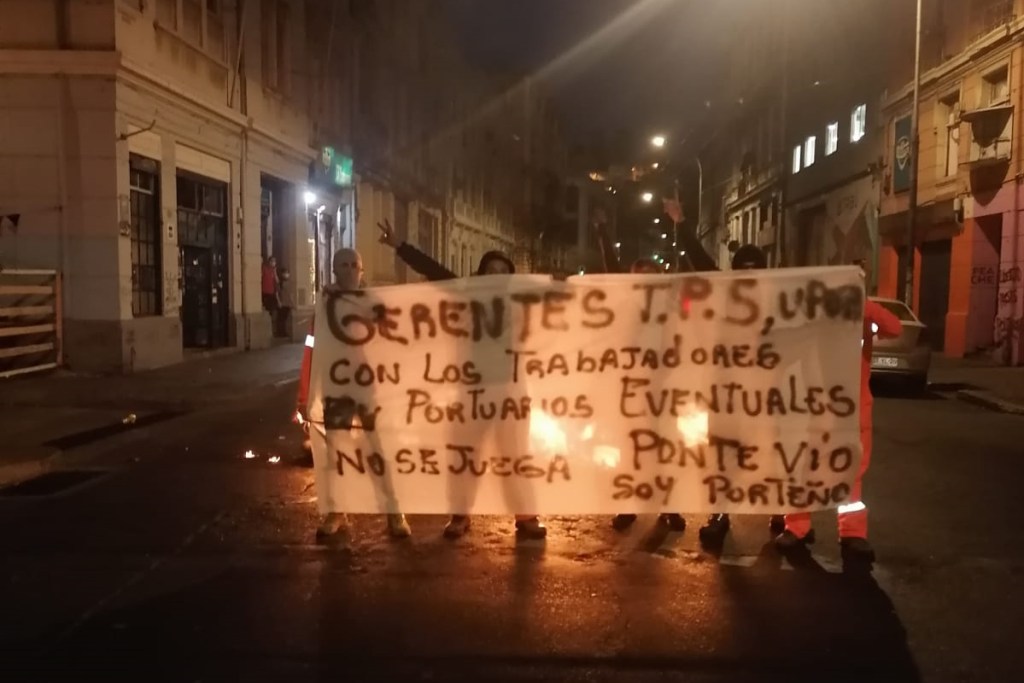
{"x":648,"y":197}
{"x":664,"y":235}
{"x":618,"y":245}
{"x":657,"y":220}
{"x":658,"y":141}
{"x":310,"y":197}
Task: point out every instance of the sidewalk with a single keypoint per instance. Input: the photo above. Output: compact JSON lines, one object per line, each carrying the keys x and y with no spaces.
{"x":981,"y":381}
{"x":42,"y":416}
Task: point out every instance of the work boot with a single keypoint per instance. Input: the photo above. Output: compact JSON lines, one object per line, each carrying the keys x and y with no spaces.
{"x":673,"y":520}
{"x":856,"y":549}
{"x":457,"y":526}
{"x":776,"y":525}
{"x":623,"y":522}
{"x":398,"y":527}
{"x":333,"y":523}
{"x":787,"y":541}
{"x":715,"y":529}
{"x":531,"y":528}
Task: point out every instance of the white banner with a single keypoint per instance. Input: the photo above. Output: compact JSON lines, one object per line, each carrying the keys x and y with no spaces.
{"x":729,"y":392}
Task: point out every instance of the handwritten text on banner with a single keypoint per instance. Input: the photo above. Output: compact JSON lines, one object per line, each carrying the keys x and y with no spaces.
{"x":604,"y":394}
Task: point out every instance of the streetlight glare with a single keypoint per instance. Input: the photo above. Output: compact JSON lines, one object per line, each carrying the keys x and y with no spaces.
{"x":309,"y":197}
{"x":658,"y":141}
{"x":647,"y":197}
{"x":657,"y":220}
{"x":664,"y":235}
{"x":618,"y":245}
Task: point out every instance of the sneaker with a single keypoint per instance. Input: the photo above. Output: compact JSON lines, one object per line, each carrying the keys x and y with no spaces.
{"x":776,"y":525}
{"x":398,"y":527}
{"x":673,"y":520}
{"x":457,"y":526}
{"x":856,"y":549}
{"x":714,"y":529}
{"x":787,"y":540}
{"x":332,"y":524}
{"x":623,"y":522}
{"x":531,"y":528}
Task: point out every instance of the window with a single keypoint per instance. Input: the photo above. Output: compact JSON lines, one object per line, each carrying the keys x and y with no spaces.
{"x":145,"y":236}
{"x":214,"y":41}
{"x":167,"y":13}
{"x":192,"y":21}
{"x":859,"y":123}
{"x":831,"y":138}
{"x":948,"y":127}
{"x":809,"y":149}
{"x":275,"y":44}
{"x":995,"y":87}
{"x":797,"y":157}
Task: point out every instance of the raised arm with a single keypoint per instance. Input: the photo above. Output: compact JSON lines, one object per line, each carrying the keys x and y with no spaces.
{"x":413,"y":257}
{"x":608,"y":254}
{"x":698,"y":256}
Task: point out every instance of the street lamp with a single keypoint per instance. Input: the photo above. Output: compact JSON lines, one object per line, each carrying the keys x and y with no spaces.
{"x":657,"y":220}
{"x":664,"y":235}
{"x":310,"y":197}
{"x":658,"y":141}
{"x":648,"y":197}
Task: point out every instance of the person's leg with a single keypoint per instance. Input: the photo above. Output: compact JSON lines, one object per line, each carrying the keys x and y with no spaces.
{"x":853,"y":515}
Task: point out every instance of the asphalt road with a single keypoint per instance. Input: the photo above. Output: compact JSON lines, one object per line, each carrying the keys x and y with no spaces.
{"x":184,"y":561}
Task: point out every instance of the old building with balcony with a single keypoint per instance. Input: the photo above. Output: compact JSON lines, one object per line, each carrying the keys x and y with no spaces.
{"x":155,"y":152}
{"x":969,"y":242}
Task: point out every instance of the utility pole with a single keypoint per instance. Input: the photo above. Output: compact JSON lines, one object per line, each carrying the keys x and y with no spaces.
{"x":908,"y":267}
{"x":784,"y":161}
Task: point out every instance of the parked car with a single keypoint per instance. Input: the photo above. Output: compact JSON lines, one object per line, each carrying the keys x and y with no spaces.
{"x":907,"y":357}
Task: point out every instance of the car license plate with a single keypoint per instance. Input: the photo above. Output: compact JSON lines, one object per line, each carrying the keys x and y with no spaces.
{"x":886,"y":362}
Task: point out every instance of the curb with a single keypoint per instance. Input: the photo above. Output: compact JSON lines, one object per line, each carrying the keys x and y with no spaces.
{"x":47,"y":460}
{"x":989,"y":401}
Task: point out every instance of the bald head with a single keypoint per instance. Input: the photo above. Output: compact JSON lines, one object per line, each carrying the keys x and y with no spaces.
{"x":348,"y":268}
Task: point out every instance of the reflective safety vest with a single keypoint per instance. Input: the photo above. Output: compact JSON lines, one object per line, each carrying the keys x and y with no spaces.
{"x":302,"y":400}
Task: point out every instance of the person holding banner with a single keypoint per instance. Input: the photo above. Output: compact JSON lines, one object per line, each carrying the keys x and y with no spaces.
{"x":853,"y":515}
{"x":673,"y":520}
{"x":347,"y":266}
{"x":491,"y":263}
{"x":747,"y":257}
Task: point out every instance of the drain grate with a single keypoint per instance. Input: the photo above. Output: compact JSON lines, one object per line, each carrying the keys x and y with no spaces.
{"x":51,"y":483}
{"x":92,"y":435}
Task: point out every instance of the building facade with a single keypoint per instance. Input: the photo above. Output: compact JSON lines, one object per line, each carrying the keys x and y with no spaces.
{"x":158,"y":152}
{"x":139,"y":139}
{"x":969,"y":243}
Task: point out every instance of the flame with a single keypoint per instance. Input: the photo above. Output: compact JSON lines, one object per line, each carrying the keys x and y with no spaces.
{"x":607,"y":456}
{"x":249,"y":455}
{"x":694,"y":427}
{"x":274,"y":459}
{"x":545,"y":433}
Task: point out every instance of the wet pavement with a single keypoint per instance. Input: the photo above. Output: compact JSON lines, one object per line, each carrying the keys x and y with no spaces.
{"x":181,"y":560}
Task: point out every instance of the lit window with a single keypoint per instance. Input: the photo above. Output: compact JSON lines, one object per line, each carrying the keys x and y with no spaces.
{"x":859,"y":123}
{"x":832,"y":138}
{"x":809,"y":149}
{"x":797,"y":158}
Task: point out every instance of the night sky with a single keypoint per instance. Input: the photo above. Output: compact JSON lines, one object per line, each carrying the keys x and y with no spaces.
{"x":633,"y":65}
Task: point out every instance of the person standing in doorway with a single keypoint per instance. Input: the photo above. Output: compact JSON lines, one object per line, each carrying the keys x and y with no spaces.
{"x":269,"y":288}
{"x":286,"y":299}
